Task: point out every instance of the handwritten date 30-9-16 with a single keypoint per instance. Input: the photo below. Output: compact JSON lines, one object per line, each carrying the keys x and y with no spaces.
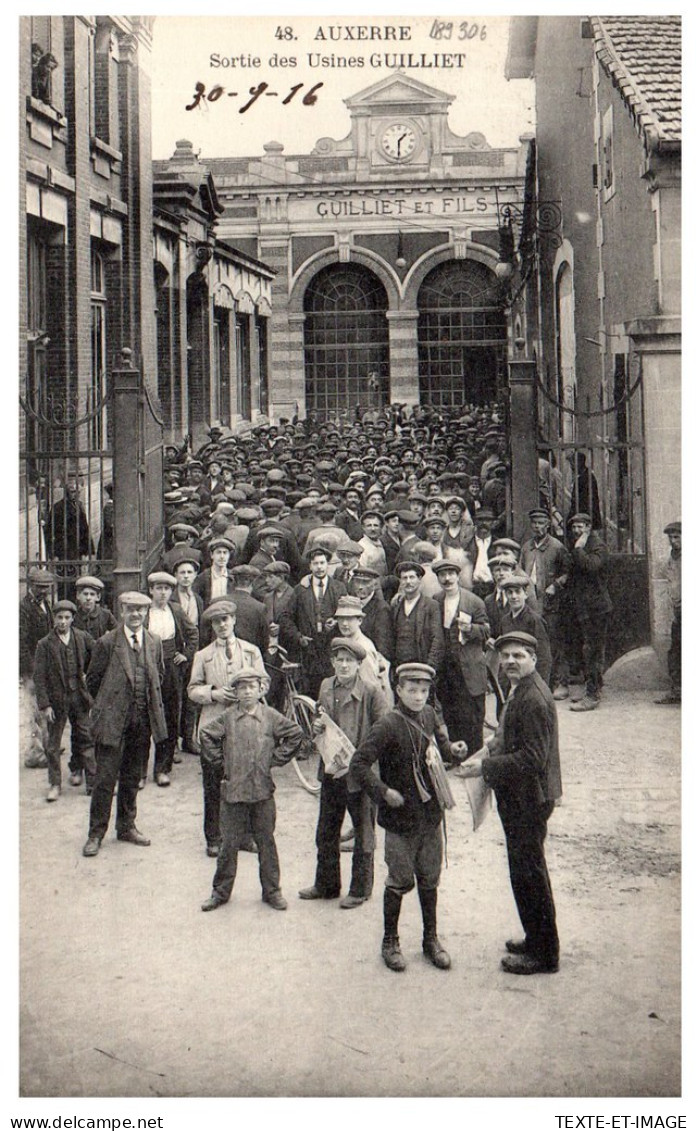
{"x":217,"y":91}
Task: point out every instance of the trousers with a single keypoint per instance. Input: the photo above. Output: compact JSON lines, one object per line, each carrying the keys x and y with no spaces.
{"x":122,"y":762}
{"x":334,"y":800}
{"x":530,"y":882}
{"x":81,"y":743}
{"x":236,"y":818}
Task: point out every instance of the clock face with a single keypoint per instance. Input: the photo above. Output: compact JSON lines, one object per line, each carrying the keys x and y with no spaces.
{"x":399,"y":141}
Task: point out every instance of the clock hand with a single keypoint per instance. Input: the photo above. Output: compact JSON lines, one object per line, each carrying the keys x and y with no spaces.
{"x":399,"y":143}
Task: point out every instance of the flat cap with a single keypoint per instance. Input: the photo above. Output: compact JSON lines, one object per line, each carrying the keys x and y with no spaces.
{"x":160,"y":577}
{"x":516,"y":638}
{"x":65,"y":607}
{"x":485,"y":514}
{"x":416,"y":671}
{"x":219,"y":608}
{"x":373,"y":514}
{"x":457,"y":501}
{"x":505,"y":544}
{"x":673,"y":528}
{"x":89,"y":582}
{"x":271,"y":531}
{"x":444,"y":564}
{"x":131,"y":597}
{"x":305,"y":504}
{"x":244,"y":675}
{"x":182,"y":528}
{"x":276,"y":567}
{"x":247,"y":514}
{"x":224,"y":508}
{"x":343,"y":644}
{"x":435,"y":520}
{"x":365,"y":572}
{"x":504,"y":558}
{"x":349,"y":548}
{"x":217,"y":542}
{"x":538,"y":512}
{"x":515,"y":580}
{"x":581,"y":516}
{"x":402,"y":567}
{"x":190,"y":557}
{"x":245,"y":572}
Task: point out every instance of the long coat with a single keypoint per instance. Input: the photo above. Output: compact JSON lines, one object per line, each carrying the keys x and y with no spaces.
{"x":470,"y":656}
{"x":49,"y":676}
{"x":110,"y":681}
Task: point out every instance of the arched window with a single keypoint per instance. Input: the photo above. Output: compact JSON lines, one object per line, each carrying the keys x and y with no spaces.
{"x":462,"y":334}
{"x":346,"y":340}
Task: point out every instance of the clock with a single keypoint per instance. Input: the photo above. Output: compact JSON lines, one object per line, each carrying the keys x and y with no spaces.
{"x":399,"y":141}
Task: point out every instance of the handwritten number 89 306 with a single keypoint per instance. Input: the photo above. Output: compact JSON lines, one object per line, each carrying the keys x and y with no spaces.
{"x":216,"y":92}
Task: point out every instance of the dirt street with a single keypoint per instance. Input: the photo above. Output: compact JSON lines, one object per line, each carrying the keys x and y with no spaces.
{"x":127,"y":989}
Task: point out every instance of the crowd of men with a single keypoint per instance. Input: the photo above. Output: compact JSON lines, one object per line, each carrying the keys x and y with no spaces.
{"x":374,"y":555}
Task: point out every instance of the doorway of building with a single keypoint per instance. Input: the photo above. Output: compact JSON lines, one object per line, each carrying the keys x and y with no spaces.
{"x":346,"y":341}
{"x":461,"y":335}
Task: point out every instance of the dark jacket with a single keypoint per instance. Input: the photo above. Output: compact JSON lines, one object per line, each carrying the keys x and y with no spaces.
{"x":67,"y":532}
{"x":377,"y":625}
{"x":252,"y":622}
{"x":34,"y":624}
{"x":95,"y":625}
{"x":523,"y":768}
{"x":202,"y":586}
{"x":299,"y":618}
{"x":469,"y":656}
{"x":110,"y":682}
{"x":393,"y":743}
{"x":552,"y":564}
{"x":429,"y":631}
{"x":587,"y":587}
{"x":49,"y":674}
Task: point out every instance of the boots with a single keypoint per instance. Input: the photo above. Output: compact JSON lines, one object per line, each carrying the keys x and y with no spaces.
{"x":428,"y":897}
{"x":391,"y":953}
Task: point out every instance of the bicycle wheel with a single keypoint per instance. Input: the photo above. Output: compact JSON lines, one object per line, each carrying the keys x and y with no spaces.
{"x":302,"y":709}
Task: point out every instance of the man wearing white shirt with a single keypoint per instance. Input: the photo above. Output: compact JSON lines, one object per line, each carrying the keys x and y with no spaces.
{"x":179,"y":642}
{"x":482,"y":580}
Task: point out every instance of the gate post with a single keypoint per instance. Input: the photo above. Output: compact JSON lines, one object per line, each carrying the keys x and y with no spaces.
{"x":126,"y":479}
{"x":523,"y":424}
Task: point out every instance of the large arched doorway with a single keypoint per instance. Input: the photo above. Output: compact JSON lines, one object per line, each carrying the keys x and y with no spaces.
{"x":462,"y":335}
{"x":346,"y":340}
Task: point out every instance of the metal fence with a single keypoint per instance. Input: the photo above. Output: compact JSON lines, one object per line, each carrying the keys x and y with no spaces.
{"x":65,"y":475}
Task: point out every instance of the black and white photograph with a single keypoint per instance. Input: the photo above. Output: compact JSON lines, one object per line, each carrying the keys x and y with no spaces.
{"x":350,"y":526}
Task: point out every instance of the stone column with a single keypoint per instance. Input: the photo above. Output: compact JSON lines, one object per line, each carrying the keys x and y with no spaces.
{"x":127,"y":483}
{"x":404,"y":356}
{"x":658,"y":341}
{"x":523,"y":418}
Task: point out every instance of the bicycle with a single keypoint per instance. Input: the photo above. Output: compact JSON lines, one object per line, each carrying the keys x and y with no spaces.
{"x":301,"y":709}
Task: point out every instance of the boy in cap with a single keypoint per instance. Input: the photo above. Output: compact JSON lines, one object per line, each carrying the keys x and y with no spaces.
{"x":61,"y":694}
{"x":244,"y":742}
{"x":210,"y":689}
{"x":354,"y":706}
{"x":124,"y":678}
{"x":521,"y":764}
{"x":91,"y":617}
{"x":408,"y":808}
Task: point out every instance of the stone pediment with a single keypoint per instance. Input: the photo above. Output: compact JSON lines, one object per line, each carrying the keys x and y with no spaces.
{"x":398,"y":88}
